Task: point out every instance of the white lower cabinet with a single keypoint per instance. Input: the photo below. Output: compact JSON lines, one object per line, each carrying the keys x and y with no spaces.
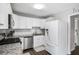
{"x":38,"y":40}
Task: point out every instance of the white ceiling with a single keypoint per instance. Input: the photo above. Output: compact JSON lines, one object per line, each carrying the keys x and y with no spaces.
{"x":50,"y":9}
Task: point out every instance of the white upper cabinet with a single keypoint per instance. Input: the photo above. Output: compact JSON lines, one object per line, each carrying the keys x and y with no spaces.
{"x":43,"y":21}
{"x":5,"y":9}
{"x":21,"y":22}
{"x":16,"y":22}
{"x":38,"y":22}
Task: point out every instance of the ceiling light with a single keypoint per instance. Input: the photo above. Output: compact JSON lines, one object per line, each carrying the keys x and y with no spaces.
{"x":38,"y":6}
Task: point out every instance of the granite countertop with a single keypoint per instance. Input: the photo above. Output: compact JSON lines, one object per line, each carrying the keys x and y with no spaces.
{"x":11,"y":49}
{"x":24,"y":33}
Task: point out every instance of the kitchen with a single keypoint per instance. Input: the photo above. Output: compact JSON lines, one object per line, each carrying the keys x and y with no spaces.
{"x":21,"y":31}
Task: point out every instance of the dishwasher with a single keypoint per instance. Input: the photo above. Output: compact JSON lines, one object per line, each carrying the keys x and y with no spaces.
{"x":27,"y":42}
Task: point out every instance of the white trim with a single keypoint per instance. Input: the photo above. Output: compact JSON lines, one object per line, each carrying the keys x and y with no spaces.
{"x":74,"y":14}
{"x":69,"y":50}
{"x":69,"y":34}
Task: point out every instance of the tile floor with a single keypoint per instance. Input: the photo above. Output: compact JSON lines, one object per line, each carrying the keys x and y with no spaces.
{"x":10,"y":49}
{"x":15,"y":49}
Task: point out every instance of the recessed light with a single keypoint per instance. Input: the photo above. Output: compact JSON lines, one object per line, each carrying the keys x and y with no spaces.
{"x":38,"y":6}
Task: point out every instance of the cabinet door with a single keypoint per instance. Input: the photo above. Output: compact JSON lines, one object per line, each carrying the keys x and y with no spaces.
{"x":4,"y":21}
{"x":36,"y":23}
{"x":38,"y":40}
{"x":42,"y":23}
{"x":5,"y":9}
{"x":26,"y":22}
{"x":21,"y":22}
{"x":17,"y":24}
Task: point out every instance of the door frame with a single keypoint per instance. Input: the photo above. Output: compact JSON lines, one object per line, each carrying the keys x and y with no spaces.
{"x":69,"y":32}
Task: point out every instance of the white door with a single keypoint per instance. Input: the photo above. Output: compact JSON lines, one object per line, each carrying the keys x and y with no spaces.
{"x":52,"y":32}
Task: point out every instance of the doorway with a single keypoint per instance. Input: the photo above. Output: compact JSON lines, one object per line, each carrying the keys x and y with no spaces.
{"x":74,"y":34}
{"x":75,"y":29}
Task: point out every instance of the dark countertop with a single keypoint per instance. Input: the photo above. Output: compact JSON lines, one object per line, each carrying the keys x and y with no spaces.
{"x":4,"y":31}
{"x":24,"y":36}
